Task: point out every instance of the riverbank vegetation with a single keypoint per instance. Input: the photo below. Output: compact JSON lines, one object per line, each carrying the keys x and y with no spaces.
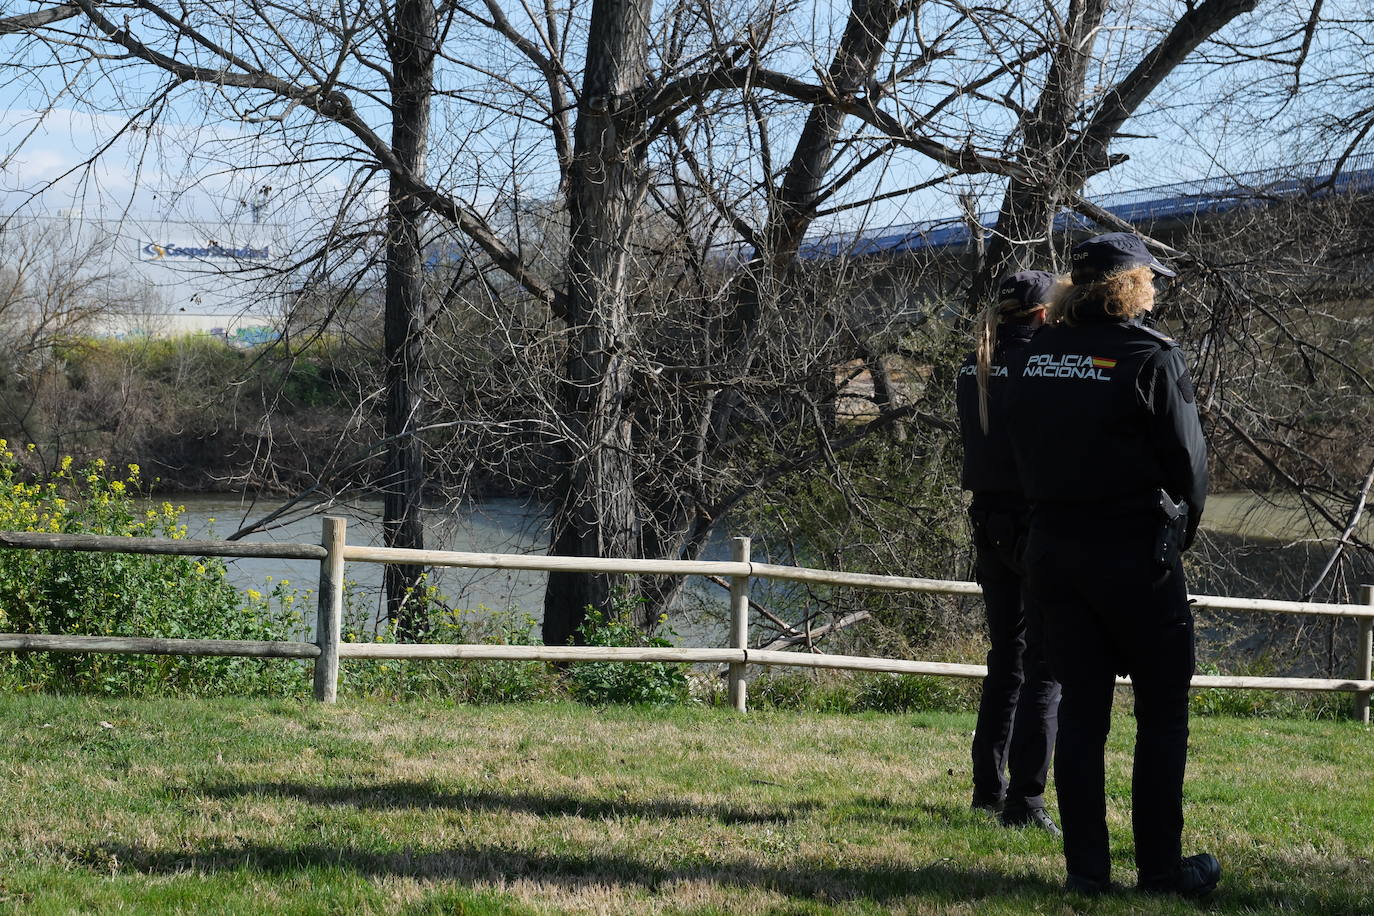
{"x":197,"y":414}
{"x":239,"y":806}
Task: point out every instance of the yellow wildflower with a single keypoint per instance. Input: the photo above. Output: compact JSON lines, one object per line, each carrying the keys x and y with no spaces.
{"x":66,"y":462}
{"x":31,"y":446}
{"x":117,"y":486}
{"x":254,"y":595}
{"x":133,"y":470}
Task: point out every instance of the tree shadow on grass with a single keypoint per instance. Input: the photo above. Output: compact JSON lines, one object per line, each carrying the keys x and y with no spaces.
{"x":818,"y":880}
{"x":815,"y":880}
{"x":915,"y":815}
{"x":1330,"y":890}
{"x":399,"y":795}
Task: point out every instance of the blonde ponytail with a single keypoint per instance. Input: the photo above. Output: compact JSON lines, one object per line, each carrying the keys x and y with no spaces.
{"x":987,"y":333}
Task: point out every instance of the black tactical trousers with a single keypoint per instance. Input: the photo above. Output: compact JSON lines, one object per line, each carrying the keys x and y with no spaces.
{"x":1014,"y":738}
{"x":1110,"y":609}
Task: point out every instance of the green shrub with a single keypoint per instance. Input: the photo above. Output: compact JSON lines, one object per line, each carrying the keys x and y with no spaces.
{"x":911,"y":692}
{"x":1266,"y":704}
{"x":861,"y":692}
{"x":111,"y":594}
{"x":602,"y":683}
{"x":818,"y":691}
{"x":783,"y":689}
{"x":450,"y":680}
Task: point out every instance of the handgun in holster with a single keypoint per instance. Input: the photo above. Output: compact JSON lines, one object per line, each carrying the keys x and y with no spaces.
{"x":1173,"y":529}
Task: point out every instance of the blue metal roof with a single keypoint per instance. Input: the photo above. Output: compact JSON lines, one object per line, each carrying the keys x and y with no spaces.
{"x":1210,"y":196}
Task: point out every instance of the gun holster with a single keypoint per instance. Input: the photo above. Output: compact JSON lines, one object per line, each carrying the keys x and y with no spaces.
{"x":1173,"y":528}
{"x":1003,"y":531}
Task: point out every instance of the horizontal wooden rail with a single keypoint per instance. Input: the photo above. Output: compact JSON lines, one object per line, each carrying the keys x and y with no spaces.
{"x":248,"y":648}
{"x":862,"y":663}
{"x":1266,"y":606}
{"x":142,"y":645}
{"x":102,"y":543}
{"x":864,"y":580}
{"x":539,"y":653}
{"x":948,"y":669}
{"x":544,"y":562}
{"x":1277,"y":683}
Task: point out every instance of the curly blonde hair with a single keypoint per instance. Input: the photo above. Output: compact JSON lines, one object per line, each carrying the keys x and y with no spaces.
{"x":1122,"y":296}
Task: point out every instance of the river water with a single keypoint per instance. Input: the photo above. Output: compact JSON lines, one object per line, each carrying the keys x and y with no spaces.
{"x":494,"y":525}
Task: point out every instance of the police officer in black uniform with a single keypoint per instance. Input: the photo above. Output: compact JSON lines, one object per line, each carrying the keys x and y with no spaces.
{"x":1110,"y":452}
{"x":1014,"y":739}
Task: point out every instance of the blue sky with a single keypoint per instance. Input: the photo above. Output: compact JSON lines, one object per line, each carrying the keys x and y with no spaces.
{"x":197,"y":168}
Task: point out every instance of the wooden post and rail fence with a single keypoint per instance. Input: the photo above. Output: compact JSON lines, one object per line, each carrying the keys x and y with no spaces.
{"x":334,"y":551}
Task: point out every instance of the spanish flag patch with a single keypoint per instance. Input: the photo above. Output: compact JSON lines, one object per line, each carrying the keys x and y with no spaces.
{"x":1103,"y":363}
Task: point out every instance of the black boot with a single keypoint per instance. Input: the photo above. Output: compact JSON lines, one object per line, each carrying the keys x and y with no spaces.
{"x":1038,"y":818}
{"x":1194,"y":876}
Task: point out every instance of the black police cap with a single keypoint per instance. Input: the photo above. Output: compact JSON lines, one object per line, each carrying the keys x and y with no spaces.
{"x":1104,"y":255}
{"x":1028,"y":287}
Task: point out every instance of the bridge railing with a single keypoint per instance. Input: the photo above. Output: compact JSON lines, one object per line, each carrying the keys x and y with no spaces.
{"x":333,"y":553}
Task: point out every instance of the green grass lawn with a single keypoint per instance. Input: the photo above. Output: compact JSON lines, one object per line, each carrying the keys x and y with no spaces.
{"x":237,"y":806}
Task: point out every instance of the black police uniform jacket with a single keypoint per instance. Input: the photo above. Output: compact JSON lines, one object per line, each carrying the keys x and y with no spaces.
{"x":1103,"y":414}
{"x":989,"y":470}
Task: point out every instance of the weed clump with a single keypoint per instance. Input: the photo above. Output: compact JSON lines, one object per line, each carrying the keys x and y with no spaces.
{"x":1266,"y":704}
{"x":633,"y":683}
{"x":843,"y":692}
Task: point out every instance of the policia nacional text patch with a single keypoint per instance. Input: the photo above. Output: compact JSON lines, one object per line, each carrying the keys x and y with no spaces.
{"x":1069,"y":365}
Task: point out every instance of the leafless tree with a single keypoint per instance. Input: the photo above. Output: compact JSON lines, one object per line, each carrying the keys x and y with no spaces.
{"x":1065,"y":137}
{"x":54,"y":290}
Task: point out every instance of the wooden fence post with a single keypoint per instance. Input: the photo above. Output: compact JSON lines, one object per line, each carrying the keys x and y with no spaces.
{"x":1366,"y":655}
{"x":329,"y":621}
{"x":739,"y":624}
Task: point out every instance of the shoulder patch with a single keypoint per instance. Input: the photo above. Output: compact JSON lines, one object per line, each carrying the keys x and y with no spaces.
{"x":1185,"y":388}
{"x":1164,"y":340}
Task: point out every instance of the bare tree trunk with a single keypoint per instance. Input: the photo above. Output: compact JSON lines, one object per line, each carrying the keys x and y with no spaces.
{"x":852,"y":73}
{"x":598,"y":516}
{"x":1025,"y":221}
{"x":1058,"y":154}
{"x":411,"y":46}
